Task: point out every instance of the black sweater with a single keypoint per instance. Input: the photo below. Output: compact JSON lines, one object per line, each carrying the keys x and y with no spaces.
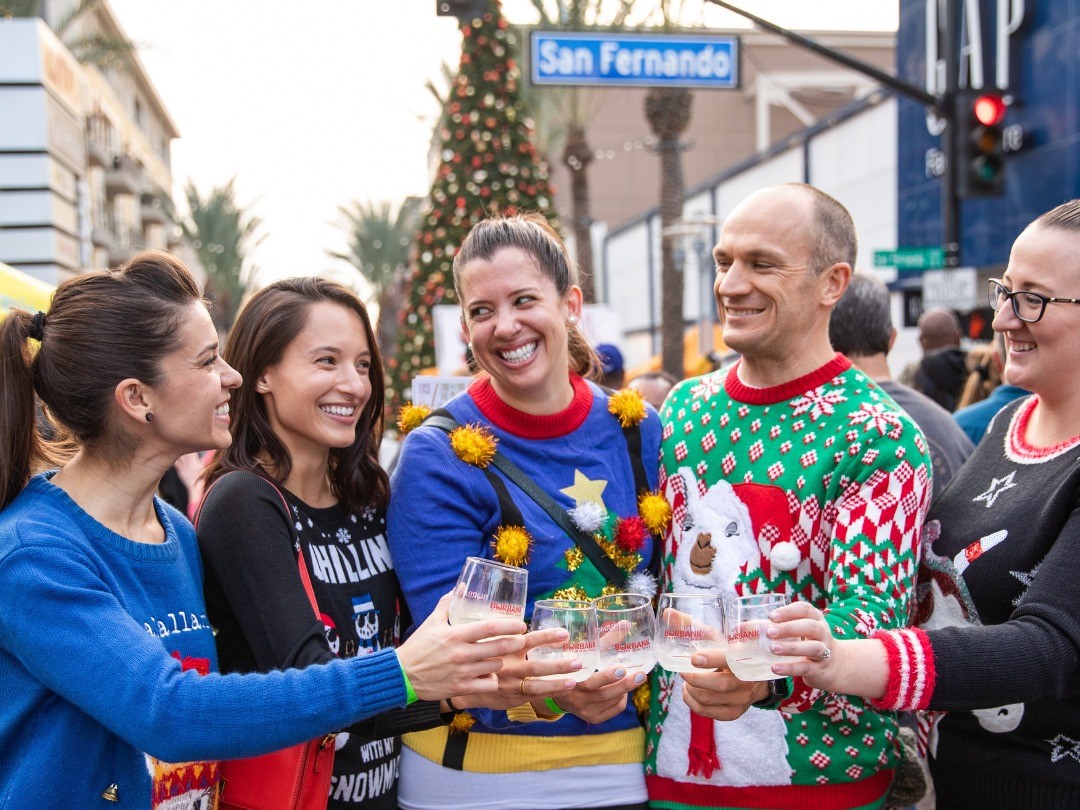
{"x":1010,"y":541}
{"x":264,"y":621}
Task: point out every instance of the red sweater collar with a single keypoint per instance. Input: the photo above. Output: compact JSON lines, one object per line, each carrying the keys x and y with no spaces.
{"x":741,"y":392}
{"x":532,"y":426}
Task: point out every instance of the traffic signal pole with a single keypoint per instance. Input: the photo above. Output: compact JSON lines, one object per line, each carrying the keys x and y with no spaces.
{"x":942,"y":105}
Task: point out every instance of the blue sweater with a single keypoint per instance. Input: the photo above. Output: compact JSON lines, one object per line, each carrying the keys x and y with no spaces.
{"x":102,"y":641}
{"x":443,"y":510}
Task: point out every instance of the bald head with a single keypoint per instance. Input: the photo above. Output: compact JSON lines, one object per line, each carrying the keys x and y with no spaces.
{"x":939,"y":328}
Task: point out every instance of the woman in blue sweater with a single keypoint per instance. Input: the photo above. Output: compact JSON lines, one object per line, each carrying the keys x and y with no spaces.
{"x":107,"y":659}
{"x":592,"y":451}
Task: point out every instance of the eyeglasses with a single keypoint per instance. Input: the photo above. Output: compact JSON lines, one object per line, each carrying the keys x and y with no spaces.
{"x":1027,"y":306}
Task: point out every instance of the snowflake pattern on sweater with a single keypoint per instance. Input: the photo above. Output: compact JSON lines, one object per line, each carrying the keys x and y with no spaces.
{"x":817,"y":489}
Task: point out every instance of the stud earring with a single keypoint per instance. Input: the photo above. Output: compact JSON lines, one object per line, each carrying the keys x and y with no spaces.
{"x":572,"y":319}
{"x":149,"y":416}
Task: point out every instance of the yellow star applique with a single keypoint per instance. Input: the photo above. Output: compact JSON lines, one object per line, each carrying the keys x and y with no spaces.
{"x":585,"y":490}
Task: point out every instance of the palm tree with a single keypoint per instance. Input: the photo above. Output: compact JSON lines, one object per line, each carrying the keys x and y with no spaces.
{"x":573,"y":107}
{"x":668,"y":110}
{"x":379,"y":239}
{"x":223,"y":236}
{"x":94,"y":48}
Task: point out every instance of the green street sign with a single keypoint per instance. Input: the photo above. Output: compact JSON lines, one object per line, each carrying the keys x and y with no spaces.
{"x":912,"y":258}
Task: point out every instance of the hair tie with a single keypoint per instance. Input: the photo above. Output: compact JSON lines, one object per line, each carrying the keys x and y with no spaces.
{"x":37,"y":326}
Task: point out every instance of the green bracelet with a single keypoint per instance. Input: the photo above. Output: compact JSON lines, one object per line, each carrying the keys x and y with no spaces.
{"x":553,"y":707}
{"x":410,"y":693}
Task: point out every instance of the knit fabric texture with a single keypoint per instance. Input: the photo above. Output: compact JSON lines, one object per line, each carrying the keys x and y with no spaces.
{"x":817,"y":489}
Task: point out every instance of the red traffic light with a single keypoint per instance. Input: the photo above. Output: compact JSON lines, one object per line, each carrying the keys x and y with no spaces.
{"x":989,"y":109}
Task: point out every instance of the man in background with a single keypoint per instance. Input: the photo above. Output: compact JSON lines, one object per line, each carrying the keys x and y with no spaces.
{"x":611,"y":363}
{"x":942,"y":372}
{"x":654,"y":386}
{"x":861,"y":328}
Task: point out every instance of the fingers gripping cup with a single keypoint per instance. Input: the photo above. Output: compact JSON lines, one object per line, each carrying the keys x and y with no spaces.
{"x":687,"y":623}
{"x":749,"y":655}
{"x":487,"y":589}
{"x":578,"y":618}
{"x":627,"y":625}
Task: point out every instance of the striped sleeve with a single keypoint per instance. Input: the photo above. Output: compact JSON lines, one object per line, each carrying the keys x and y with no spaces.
{"x":912,"y":675}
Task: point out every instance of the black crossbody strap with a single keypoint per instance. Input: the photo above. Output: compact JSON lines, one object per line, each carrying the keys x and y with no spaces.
{"x":586,"y":542}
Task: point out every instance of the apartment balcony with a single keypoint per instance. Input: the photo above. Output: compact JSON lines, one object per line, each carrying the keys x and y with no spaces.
{"x":102,"y":237}
{"x":124,"y":176}
{"x":124,"y":246}
{"x":97,"y":154}
{"x":153,"y":210}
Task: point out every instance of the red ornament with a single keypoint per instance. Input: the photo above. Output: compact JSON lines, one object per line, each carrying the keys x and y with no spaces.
{"x":630,"y":533}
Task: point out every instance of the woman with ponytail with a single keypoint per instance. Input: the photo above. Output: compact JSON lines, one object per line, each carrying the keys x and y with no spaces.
{"x":107,"y":684}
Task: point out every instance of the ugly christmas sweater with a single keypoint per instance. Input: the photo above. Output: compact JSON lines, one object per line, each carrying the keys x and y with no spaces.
{"x":443,"y":510}
{"x":816,"y":488}
{"x":104,"y":643}
{"x":999,"y":644}
{"x":257,"y":604}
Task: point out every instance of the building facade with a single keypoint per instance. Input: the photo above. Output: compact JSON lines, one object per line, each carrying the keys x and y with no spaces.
{"x":85,"y":174}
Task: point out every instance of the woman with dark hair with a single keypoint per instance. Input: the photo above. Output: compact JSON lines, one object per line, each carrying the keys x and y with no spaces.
{"x":995,"y":654}
{"x":106,"y":652}
{"x":308,"y":427}
{"x":594,"y":453}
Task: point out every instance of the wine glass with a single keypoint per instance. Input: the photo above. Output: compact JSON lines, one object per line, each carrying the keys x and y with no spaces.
{"x":687,"y":623}
{"x":578,"y":618}
{"x":749,"y":654}
{"x":627,"y":625}
{"x":488,"y":589}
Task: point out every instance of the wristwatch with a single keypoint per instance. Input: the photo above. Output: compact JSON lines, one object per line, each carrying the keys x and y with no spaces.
{"x":779,"y":690}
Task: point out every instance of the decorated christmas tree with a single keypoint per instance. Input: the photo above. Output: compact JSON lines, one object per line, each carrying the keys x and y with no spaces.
{"x":489,"y":160}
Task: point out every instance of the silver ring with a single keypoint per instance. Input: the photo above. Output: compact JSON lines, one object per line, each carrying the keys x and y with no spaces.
{"x":826,"y":654}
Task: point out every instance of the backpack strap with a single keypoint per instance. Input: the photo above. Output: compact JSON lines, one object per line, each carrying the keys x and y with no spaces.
{"x":442,"y":420}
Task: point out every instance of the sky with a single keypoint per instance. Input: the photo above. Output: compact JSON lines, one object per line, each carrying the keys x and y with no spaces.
{"x":310,"y":106}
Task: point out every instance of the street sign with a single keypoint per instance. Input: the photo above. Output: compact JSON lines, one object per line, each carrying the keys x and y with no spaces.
{"x":635,"y":60}
{"x":911,"y":258}
{"x":954,"y":289}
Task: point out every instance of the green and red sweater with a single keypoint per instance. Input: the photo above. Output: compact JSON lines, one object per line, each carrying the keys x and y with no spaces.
{"x":818,"y":489}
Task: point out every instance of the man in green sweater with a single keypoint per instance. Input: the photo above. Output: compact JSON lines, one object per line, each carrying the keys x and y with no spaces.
{"x":791,"y":472}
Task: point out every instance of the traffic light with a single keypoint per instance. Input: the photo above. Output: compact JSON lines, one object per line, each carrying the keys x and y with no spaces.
{"x":979,"y":118}
{"x":462,"y":9}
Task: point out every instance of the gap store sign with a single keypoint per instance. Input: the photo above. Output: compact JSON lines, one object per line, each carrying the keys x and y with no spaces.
{"x":635,"y":60}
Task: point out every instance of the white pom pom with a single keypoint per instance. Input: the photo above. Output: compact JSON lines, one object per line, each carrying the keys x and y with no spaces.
{"x":642,"y":582}
{"x":588,"y":516}
{"x":785,"y":556}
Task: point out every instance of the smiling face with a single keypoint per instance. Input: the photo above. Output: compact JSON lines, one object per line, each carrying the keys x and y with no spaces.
{"x":191,"y":405}
{"x":516,"y":321}
{"x":1046,"y":261}
{"x":773,"y":309}
{"x":315,"y":394}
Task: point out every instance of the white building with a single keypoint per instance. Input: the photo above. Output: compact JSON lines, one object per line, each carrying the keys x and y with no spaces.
{"x":85,"y":175}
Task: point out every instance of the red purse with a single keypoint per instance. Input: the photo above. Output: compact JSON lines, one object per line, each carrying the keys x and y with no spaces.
{"x":294,"y":778}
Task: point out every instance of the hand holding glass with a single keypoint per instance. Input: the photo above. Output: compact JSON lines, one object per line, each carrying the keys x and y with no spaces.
{"x":749,"y":655}
{"x":487,"y":589}
{"x":687,"y":623}
{"x":627,"y":625}
{"x":578,"y":618}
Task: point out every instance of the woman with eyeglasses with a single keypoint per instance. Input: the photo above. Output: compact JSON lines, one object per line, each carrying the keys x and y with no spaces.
{"x":994,"y":657}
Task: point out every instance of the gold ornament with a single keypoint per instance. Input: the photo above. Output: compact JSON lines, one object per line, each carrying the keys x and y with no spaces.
{"x":512,"y":545}
{"x":641,"y":698}
{"x":574,"y":558}
{"x":628,"y":406}
{"x":574,"y":592}
{"x":462,"y":722}
{"x":655,"y":511}
{"x":474,"y":444}
{"x":410,"y":416}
